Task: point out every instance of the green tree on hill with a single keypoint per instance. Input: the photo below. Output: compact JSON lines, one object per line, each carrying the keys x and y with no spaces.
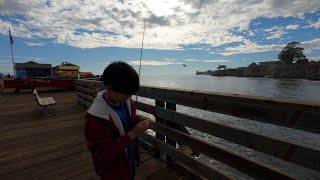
{"x":292,"y":52}
{"x":222,"y":67}
{"x":253,"y":64}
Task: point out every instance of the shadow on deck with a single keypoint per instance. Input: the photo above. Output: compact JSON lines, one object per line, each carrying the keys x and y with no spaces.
{"x":33,"y":147}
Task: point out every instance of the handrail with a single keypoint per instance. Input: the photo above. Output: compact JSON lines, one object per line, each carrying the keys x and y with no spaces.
{"x":252,"y":134}
{"x":285,"y":112}
{"x":299,"y":114}
{"x":245,"y":147}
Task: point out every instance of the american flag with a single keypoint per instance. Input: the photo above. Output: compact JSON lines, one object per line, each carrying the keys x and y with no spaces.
{"x":10,"y":36}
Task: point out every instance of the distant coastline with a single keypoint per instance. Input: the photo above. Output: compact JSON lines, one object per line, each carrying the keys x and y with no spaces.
{"x":306,"y":70}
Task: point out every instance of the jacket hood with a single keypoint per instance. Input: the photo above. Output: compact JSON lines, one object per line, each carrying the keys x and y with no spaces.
{"x":100,"y":108}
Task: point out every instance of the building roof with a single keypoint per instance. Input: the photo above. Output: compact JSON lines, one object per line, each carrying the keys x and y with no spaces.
{"x":65,"y":64}
{"x":68,"y":64}
{"x":32,"y":64}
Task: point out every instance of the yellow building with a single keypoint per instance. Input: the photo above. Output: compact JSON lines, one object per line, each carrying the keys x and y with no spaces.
{"x":69,"y":70}
{"x":65,"y":66}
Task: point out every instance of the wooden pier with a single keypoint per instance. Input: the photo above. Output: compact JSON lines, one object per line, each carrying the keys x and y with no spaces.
{"x":34,"y":147}
{"x":267,"y":138}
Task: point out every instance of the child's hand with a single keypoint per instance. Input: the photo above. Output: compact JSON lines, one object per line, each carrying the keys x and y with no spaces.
{"x":139,"y":129}
{"x":151,"y":122}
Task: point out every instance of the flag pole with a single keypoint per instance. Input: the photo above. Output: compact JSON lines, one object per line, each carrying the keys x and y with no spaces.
{"x":11,"y":42}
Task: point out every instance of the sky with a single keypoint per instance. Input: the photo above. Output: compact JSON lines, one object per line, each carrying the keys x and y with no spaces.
{"x":200,"y":34}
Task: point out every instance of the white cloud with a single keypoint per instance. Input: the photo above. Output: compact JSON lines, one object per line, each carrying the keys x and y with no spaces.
{"x":33,"y":58}
{"x":315,"y":24}
{"x":292,"y":26}
{"x":199,"y":48}
{"x":169,"y":59}
{"x":193,"y":60}
{"x":35,"y":43}
{"x":257,"y":61}
{"x":209,"y":61}
{"x":250,"y":47}
{"x":311,"y":45}
{"x":251,"y":33}
{"x":170,"y":24}
{"x":314,"y":58}
{"x":257,"y":23}
{"x":276,"y":34}
{"x":4,"y":62}
{"x":152,"y":63}
{"x":275,"y":28}
{"x":214,"y":61}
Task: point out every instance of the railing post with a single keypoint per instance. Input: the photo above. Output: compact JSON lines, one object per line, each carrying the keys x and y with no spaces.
{"x":178,"y":127}
{"x":171,"y":107}
{"x":75,"y":87}
{"x":166,"y":123}
{"x":159,"y":120}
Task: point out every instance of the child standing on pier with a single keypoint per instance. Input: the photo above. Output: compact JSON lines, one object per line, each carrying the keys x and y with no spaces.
{"x":112,"y":126}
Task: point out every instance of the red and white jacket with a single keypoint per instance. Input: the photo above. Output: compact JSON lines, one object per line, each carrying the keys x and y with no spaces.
{"x":107,"y":140}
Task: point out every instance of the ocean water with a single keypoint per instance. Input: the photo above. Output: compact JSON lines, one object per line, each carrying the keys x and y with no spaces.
{"x":285,"y":88}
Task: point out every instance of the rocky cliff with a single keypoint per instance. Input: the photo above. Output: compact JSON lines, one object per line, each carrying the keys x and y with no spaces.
{"x":293,"y":71}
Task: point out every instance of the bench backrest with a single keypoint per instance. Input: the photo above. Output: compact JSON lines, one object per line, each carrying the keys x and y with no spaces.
{"x":35,"y":93}
{"x":45,"y":101}
{"x":37,"y":98}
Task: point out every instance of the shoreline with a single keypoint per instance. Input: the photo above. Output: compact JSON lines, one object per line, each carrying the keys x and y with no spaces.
{"x":260,"y":77}
{"x":308,"y":71}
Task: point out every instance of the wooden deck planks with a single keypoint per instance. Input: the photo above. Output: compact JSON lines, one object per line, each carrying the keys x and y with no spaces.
{"x":13,"y":155}
{"x":23,"y":125}
{"x":37,"y":138}
{"x":68,"y":171}
{"x":88,"y":175}
{"x":169,"y":172}
{"x":33,"y":147}
{"x":150,"y":167}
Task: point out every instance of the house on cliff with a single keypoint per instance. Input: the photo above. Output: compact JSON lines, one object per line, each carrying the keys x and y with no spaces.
{"x":268,"y":63}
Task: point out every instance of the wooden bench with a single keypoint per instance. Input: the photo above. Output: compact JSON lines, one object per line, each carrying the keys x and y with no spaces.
{"x":44,"y":102}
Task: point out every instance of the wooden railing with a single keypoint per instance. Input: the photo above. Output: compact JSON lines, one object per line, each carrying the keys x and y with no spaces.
{"x":273,"y":138}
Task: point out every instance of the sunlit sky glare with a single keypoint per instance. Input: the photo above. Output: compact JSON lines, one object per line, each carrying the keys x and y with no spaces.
{"x":202,"y":34}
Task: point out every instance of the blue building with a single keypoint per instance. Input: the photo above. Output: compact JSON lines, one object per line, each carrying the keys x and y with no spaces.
{"x":33,"y":69}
